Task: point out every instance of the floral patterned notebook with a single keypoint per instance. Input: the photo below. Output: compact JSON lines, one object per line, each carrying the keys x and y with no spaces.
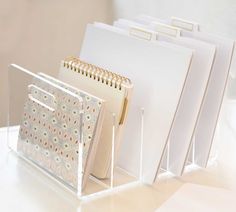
{"x":56,"y":121}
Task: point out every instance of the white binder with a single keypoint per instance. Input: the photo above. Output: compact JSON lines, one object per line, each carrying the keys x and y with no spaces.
{"x":192,"y":96}
{"x":210,"y":110}
{"x":158,"y":72}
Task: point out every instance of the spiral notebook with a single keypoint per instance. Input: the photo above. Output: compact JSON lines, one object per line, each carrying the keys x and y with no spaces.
{"x":115,"y":90}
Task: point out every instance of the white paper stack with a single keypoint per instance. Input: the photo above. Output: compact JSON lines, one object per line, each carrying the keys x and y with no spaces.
{"x":194,"y":90}
{"x":179,"y":75}
{"x":158,"y":71}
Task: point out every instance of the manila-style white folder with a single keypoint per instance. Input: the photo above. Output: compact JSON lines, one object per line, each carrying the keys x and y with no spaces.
{"x":194,"y":89}
{"x":158,"y":72}
{"x":211,"y":106}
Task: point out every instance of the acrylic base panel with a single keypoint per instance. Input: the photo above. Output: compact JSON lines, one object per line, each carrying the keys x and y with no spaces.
{"x":120,"y":180}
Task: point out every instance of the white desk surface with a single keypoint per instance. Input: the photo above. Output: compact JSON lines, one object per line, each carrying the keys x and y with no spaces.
{"x":24,"y":189}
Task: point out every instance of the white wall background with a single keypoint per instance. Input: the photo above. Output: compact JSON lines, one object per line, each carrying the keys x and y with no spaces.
{"x":218,"y":16}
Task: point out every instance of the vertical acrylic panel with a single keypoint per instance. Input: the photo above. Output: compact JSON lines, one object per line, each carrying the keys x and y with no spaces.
{"x":45,"y":126}
{"x":119,"y":177}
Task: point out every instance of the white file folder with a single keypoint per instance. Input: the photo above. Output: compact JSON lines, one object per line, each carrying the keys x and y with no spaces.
{"x":158,"y":72}
{"x":210,"y":110}
{"x":192,"y":96}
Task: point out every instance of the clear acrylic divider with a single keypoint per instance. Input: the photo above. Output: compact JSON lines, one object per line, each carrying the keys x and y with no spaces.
{"x":119,"y":177}
{"x":31,"y":96}
{"x":41,"y":115}
{"x":190,"y":163}
{"x":164,"y":169}
{"x":141,"y":146}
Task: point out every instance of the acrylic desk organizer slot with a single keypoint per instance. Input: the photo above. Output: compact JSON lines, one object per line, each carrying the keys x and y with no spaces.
{"x":41,"y":131}
{"x":190,"y":161}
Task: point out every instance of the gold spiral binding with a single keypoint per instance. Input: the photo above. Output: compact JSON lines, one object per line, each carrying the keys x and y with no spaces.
{"x":104,"y":76}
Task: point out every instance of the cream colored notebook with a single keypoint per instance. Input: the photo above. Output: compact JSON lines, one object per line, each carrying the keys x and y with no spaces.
{"x":115,"y":90}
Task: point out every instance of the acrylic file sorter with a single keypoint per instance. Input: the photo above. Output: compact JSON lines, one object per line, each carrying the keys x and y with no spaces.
{"x":158,"y":71}
{"x":212,"y":102}
{"x":46,"y":128}
{"x":194,"y":89}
